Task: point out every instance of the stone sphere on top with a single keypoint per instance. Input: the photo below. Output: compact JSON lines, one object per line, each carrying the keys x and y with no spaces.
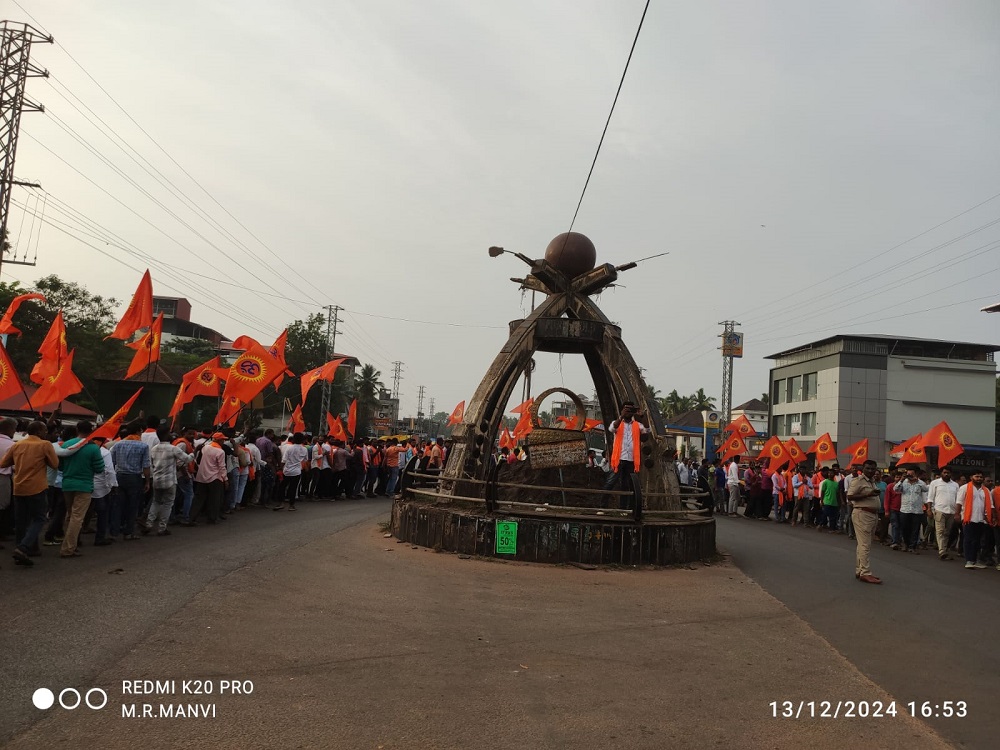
{"x":572,"y":253}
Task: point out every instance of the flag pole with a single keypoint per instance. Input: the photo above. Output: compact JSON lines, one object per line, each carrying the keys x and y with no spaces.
{"x":27,"y":399}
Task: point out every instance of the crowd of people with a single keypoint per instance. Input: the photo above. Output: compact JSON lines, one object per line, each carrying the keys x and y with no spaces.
{"x":914,"y":512}
{"x":58,"y":483}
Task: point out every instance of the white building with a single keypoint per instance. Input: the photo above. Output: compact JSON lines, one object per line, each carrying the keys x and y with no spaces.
{"x":884,"y":388}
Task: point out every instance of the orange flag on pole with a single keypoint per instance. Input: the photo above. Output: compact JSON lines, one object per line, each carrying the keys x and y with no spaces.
{"x":590,"y":424}
{"x":10,"y":384}
{"x":795,"y":451}
{"x":910,"y":451}
{"x":823,"y":448}
{"x":250,"y":374}
{"x":203,"y":380}
{"x":147,"y":349}
{"x":506,"y":439}
{"x":735,"y":447}
{"x":352,"y":418}
{"x":775,"y":453}
{"x":337,"y":430}
{"x":941,"y":437}
{"x":59,"y":386}
{"x":522,"y":407}
{"x":742,"y":427}
{"x":858,"y":451}
{"x":324,"y":372}
{"x":296,"y":422}
{"x":277,"y":350}
{"x":111,"y":425}
{"x":139,"y":313}
{"x":7,"y":322}
{"x":524,"y":425}
{"x":457,"y":414}
{"x":53,"y":350}
{"x":230,"y":410}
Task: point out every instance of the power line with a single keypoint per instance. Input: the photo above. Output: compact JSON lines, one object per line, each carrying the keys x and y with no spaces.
{"x":230,"y":258}
{"x":608,"y":121}
{"x":82,"y":226}
{"x":161,"y":178}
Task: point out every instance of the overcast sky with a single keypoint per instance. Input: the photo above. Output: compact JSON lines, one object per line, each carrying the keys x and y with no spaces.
{"x":780,"y":151}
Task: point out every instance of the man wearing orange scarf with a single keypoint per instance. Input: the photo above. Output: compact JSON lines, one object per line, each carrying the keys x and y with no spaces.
{"x":974,"y":510}
{"x":625,"y":453}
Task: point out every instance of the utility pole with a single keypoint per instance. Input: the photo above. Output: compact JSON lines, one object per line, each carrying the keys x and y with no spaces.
{"x":15,"y":69}
{"x":332,"y":320}
{"x":732,"y":346}
{"x":420,"y":404}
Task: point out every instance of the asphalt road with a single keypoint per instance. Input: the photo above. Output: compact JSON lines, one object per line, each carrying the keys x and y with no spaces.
{"x":65,"y":620}
{"x":927,"y":634}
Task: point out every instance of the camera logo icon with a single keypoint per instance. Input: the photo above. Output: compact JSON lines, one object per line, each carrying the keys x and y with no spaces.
{"x":70,"y":699}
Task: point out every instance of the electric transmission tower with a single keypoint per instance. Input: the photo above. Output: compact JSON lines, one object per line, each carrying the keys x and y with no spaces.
{"x":420,"y":404}
{"x":15,"y":70}
{"x":397,"y":375}
{"x":332,"y":320}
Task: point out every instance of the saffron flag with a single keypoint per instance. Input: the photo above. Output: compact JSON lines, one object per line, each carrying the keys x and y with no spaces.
{"x":457,"y":414}
{"x":277,"y":350}
{"x":858,"y":451}
{"x":242,"y":343}
{"x":10,"y":384}
{"x":53,"y":351}
{"x":147,"y":349}
{"x":910,"y":451}
{"x":590,"y":424}
{"x":139,"y":313}
{"x":203,"y":380}
{"x":60,"y":385}
{"x":231,"y":407}
{"x":795,"y":451}
{"x":823,"y":448}
{"x":522,"y":407}
{"x":570,"y":424}
{"x":506,"y":439}
{"x":250,"y":374}
{"x":352,"y":418}
{"x":941,"y":437}
{"x":7,"y":322}
{"x":296,"y":422}
{"x":323,"y":372}
{"x":740,"y":426}
{"x":775,"y":453}
{"x":337,"y":430}
{"x":109,"y":429}
{"x":524,"y":424}
{"x":735,"y":447}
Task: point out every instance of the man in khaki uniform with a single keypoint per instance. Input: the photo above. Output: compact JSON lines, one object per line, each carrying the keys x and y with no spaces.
{"x":863,"y":495}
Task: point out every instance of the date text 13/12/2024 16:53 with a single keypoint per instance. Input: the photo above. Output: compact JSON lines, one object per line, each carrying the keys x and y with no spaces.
{"x":867,"y":709}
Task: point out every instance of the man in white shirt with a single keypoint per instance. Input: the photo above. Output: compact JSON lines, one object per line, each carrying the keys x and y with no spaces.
{"x":974,"y":510}
{"x":733,"y":485}
{"x":104,"y":486}
{"x":942,"y":496}
{"x":683,"y":473}
{"x":625,"y":453}
{"x":293,"y":454}
{"x":911,"y":510}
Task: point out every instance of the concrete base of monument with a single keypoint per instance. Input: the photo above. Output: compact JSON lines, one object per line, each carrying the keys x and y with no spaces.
{"x":548,"y":536}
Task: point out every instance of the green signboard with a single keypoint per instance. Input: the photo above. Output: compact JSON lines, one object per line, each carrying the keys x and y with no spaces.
{"x":506,"y":537}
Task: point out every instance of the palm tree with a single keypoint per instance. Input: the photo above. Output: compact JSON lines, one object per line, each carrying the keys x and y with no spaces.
{"x":366,"y":390}
{"x":674,"y":403}
{"x":702,"y":401}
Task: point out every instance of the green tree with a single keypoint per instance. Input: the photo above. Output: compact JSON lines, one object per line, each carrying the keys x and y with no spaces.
{"x":702,"y":401}
{"x":766,"y":399}
{"x":674,"y":403}
{"x":198,"y":348}
{"x":89,"y":319}
{"x":366,"y":390}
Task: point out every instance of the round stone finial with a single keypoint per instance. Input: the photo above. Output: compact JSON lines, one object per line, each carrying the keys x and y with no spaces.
{"x":572,"y":253}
